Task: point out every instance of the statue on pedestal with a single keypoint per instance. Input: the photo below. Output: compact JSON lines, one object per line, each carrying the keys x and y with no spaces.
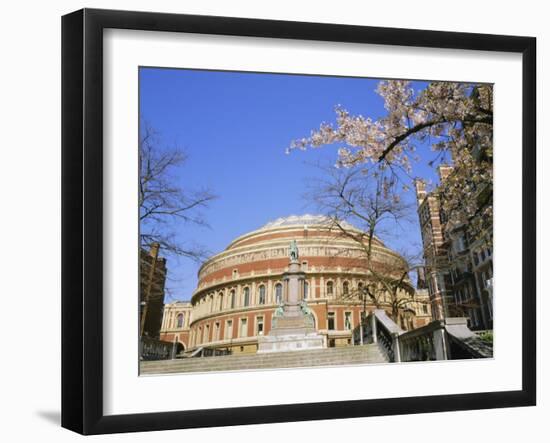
{"x":305,"y":308}
{"x":292,"y":322}
{"x":279,"y":312}
{"x":293,"y":251}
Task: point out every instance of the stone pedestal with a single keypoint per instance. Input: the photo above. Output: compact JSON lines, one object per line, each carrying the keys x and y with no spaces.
{"x":292,"y":324}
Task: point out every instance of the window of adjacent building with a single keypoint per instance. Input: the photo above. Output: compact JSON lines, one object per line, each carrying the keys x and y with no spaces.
{"x":199,"y":335}
{"x":306,"y":290}
{"x":235,"y":273}
{"x":179,"y":322}
{"x":347,"y":321}
{"x":221,"y":300}
{"x":232,"y":295}
{"x":246,"y":301}
{"x":243,"y":331}
{"x":229,"y":329}
{"x":259,"y":326}
{"x":278,"y":293}
{"x":330,"y":321}
{"x":345,"y":288}
{"x":425,"y":308}
{"x":330,"y":288}
{"x":261,"y":295}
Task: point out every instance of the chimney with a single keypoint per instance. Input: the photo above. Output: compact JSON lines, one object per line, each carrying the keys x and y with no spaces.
{"x":154,"y":251}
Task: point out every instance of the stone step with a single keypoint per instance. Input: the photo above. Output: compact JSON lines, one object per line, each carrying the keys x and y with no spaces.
{"x":351,"y":350}
{"x":262,"y":359}
{"x":301,"y":362}
{"x":333,"y":351}
{"x":321,"y":357}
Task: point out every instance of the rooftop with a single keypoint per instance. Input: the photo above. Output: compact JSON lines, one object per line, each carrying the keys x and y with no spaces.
{"x":304,"y":220}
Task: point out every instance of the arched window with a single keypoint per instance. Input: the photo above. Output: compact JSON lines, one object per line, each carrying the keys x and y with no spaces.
{"x":360,"y":287}
{"x":220,"y":295}
{"x":306,"y":290}
{"x":179,"y":321}
{"x":278,"y":293}
{"x":246,"y":296}
{"x":345,"y":288}
{"x":232,"y":295}
{"x":330,"y":288}
{"x":261,"y":295}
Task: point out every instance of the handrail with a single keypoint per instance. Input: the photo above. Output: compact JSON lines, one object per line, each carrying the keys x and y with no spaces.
{"x":459,"y":334}
{"x":205,"y":351}
{"x":420,"y":345}
{"x":379,"y":328}
{"x":439,"y":340}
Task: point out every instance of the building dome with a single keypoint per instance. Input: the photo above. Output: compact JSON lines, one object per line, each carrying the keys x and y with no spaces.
{"x":239,"y":288}
{"x":303,"y":220}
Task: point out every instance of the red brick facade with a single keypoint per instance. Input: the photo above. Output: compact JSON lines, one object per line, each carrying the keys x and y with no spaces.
{"x":239,"y":288}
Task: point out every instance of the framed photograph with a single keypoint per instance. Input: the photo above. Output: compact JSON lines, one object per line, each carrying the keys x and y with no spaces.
{"x":268,"y":221}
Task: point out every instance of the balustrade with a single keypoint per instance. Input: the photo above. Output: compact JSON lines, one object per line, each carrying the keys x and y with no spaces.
{"x":431,"y":342}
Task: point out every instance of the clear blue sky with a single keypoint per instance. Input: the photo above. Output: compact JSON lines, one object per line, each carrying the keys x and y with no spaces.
{"x":235,"y":128}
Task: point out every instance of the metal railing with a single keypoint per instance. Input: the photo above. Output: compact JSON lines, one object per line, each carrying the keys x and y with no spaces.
{"x":153,"y":349}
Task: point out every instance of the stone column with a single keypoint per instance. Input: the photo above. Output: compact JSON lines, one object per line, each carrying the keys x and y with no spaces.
{"x":269,"y":295}
{"x":440,"y":344}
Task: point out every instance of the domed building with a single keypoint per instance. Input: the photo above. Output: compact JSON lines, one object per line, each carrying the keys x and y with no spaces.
{"x":240,"y":288}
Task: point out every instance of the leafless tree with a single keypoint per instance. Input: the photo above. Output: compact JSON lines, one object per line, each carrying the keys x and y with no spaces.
{"x":364,"y":207}
{"x":163,"y":204}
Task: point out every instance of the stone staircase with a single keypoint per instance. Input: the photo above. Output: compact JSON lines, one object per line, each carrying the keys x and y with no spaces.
{"x":349,"y":355}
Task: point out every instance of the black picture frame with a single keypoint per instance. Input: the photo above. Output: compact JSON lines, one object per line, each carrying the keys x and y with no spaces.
{"x":82,"y":215}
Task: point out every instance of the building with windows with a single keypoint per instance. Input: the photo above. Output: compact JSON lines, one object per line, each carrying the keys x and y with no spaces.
{"x":240,"y":288}
{"x":459,"y":265}
{"x":175,"y":326}
{"x":151,"y":291}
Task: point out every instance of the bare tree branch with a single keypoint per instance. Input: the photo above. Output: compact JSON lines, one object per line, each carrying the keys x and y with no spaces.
{"x":352,"y":197}
{"x":163,"y":204}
